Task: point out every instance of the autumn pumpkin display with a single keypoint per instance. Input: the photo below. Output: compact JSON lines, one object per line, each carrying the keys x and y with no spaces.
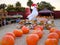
{"x":32,"y":39}
{"x":12,"y":34}
{"x":41,"y":27}
{"x":38,"y":32}
{"x":7,"y":40}
{"x":58,"y":32}
{"x":52,"y":29}
{"x":18,"y":33}
{"x":53,"y":35}
{"x":51,"y":42}
{"x":25,"y":30}
{"x":38,"y":27}
{"x":48,"y":27}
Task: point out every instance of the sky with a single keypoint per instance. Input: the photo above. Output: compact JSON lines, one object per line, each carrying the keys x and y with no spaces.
{"x":55,"y":3}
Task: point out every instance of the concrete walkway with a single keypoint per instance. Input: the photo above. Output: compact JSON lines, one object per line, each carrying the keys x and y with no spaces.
{"x":22,"y":40}
{"x":7,"y":28}
{"x":57,"y":23}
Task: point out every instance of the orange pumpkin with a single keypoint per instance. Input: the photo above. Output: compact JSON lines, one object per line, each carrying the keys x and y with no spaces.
{"x":32,"y":39}
{"x":53,"y":35}
{"x":7,"y":40}
{"x":38,"y":27}
{"x":38,"y":32}
{"x":58,"y":32}
{"x":10,"y":33}
{"x":25,"y":30}
{"x":52,"y":29}
{"x":51,"y":42}
{"x":18,"y":33}
{"x":41,"y":27}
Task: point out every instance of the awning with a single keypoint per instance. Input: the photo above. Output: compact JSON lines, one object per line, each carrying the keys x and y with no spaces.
{"x":45,"y":11}
{"x":15,"y":16}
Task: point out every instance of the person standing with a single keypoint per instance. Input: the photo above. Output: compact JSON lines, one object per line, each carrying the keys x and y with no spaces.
{"x":4,"y":21}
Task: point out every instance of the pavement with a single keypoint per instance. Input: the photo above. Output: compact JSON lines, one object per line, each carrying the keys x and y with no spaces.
{"x":22,"y":40}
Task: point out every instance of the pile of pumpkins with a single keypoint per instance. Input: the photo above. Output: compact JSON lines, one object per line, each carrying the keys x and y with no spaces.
{"x":32,"y":38}
{"x":9,"y":37}
{"x":53,"y":37}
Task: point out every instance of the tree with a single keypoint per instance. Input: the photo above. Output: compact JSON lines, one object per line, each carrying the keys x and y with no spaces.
{"x":44,"y":4}
{"x":21,"y":9}
{"x":18,"y":4}
{"x":29,"y":3}
{"x":3,"y":10}
{"x":10,"y":8}
{"x":3,"y":6}
{"x":38,"y":5}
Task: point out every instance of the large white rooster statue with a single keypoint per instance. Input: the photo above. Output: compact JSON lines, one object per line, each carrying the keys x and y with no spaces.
{"x":34,"y":13}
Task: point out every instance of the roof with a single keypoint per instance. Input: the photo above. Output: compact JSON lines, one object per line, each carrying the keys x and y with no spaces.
{"x":45,"y":11}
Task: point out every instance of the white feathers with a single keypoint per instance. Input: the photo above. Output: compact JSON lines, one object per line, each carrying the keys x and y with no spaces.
{"x":33,"y":14}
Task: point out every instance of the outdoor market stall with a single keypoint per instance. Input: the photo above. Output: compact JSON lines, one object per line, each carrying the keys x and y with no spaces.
{"x":46,"y":12}
{"x":13,"y":18}
{"x":49,"y":16}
